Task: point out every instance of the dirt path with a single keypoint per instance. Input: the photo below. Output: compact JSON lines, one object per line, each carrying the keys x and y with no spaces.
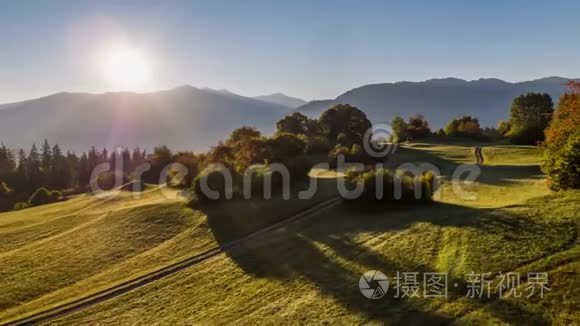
{"x":120,"y":289}
{"x":478,"y":155}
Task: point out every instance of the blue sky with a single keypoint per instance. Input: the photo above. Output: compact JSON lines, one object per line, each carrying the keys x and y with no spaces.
{"x":309,"y":49}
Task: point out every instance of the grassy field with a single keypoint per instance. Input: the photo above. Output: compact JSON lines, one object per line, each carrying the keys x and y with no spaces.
{"x":307,"y":272}
{"x":56,"y":253}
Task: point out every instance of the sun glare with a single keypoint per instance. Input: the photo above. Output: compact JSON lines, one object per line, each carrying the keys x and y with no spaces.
{"x":126,"y":68}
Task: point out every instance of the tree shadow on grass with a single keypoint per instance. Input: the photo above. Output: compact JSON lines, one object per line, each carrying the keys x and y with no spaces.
{"x":505,"y":175}
{"x":324,"y":253}
{"x":496,"y":175}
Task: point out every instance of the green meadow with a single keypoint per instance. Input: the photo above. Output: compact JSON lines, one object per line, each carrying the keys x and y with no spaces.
{"x":307,"y":271}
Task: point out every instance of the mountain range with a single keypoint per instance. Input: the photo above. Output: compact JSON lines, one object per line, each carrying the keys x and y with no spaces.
{"x":185,"y":118}
{"x":281,"y":99}
{"x":190,"y":118}
{"x":439,"y":100}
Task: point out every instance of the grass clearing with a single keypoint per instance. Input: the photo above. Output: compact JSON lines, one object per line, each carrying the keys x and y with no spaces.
{"x":309,"y":272}
{"x":95,"y":244}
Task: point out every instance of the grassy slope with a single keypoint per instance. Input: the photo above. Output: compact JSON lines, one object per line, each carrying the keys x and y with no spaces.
{"x":48,"y":257}
{"x":309,"y":272}
{"x":56,"y":253}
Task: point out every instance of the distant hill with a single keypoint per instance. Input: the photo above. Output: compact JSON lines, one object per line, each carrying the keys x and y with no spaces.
{"x":281,"y":99}
{"x":189,"y":118}
{"x":439,"y":100}
{"x":185,"y":118}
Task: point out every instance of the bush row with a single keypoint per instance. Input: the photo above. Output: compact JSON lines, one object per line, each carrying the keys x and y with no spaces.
{"x":388,"y":186}
{"x":298,"y":169}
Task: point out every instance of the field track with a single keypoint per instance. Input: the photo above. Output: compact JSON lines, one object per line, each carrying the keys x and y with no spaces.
{"x":478,"y":155}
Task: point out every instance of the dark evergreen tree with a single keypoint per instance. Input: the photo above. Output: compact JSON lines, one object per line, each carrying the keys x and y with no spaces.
{"x":34,"y":169}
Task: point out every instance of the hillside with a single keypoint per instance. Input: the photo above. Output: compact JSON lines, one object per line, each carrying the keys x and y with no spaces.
{"x":185,"y":118}
{"x":309,"y":270}
{"x":439,"y":100}
{"x":57,"y":253}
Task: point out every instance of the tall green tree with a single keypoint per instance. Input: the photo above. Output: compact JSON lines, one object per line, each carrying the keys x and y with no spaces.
{"x":7,"y":163}
{"x":530,"y":114}
{"x":22,"y":178}
{"x":418,"y":127}
{"x":294,"y":123}
{"x":345,"y":119}
{"x":46,"y":158}
{"x":399,"y":129}
{"x":35,"y":176}
{"x":503,"y":127}
{"x":59,"y":171}
{"x":285,"y":146}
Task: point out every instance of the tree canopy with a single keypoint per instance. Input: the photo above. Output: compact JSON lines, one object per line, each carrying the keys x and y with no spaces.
{"x":345,"y":119}
{"x":416,"y":128}
{"x":465,"y":126}
{"x":562,"y":146}
{"x":530,"y":114}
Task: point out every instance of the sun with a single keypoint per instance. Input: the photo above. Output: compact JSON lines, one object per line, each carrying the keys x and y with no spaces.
{"x":125,"y":68}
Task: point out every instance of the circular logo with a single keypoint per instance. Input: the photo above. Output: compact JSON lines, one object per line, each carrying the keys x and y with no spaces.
{"x":376,"y":140}
{"x":373,"y":284}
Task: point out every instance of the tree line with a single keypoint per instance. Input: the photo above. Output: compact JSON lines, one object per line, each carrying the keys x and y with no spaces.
{"x":530,"y":115}
{"x":22,"y":173}
{"x":339,"y":131}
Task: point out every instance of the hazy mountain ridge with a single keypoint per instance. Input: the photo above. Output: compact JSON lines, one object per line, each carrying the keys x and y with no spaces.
{"x":282,"y":99}
{"x":440,"y":100}
{"x":185,"y":118}
{"x":190,"y":118}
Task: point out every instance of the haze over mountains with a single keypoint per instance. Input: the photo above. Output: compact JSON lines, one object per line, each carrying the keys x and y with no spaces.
{"x":285,"y":100}
{"x":440,"y":100}
{"x":185,"y":118}
{"x":189,"y":118}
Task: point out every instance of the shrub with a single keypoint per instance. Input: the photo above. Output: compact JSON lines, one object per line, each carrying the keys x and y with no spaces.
{"x":20,"y":206}
{"x":257,"y":182}
{"x":563,"y":165}
{"x":284,"y":146}
{"x":337,"y":151}
{"x":317,"y":144}
{"x":520,"y":135}
{"x":562,"y":153}
{"x":354,"y":154}
{"x":503,"y":127}
{"x":44,"y":196}
{"x":299,"y":168}
{"x":397,"y":186}
{"x":216,"y":181}
{"x":342,"y":139}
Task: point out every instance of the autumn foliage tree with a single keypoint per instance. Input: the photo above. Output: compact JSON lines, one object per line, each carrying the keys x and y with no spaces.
{"x":465,"y":126}
{"x":562,"y":145}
